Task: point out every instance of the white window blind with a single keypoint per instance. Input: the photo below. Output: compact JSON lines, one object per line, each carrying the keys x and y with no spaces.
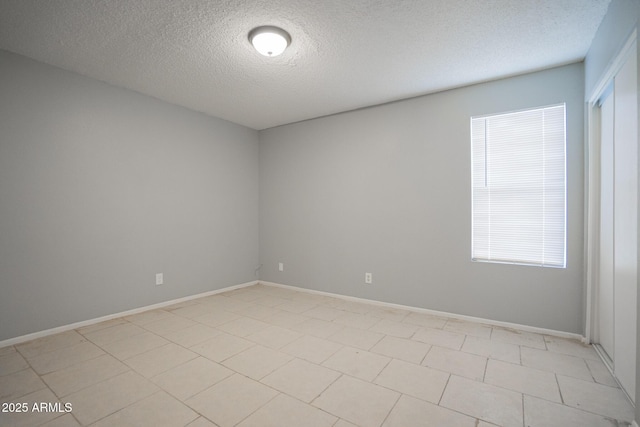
{"x":518,"y":187}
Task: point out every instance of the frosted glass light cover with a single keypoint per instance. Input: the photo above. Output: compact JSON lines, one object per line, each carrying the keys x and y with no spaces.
{"x":269,"y":41}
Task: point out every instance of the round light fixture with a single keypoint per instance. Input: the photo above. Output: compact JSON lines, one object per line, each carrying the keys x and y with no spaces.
{"x":269,"y":40}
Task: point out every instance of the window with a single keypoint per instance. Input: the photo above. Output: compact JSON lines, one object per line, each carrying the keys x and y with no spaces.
{"x":518,"y":187}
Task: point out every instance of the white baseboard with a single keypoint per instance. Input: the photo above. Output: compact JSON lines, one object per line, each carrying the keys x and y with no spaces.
{"x":64,"y":328}
{"x":516,"y":326}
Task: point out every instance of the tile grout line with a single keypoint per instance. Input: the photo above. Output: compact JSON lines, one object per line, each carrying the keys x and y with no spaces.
{"x":392,"y":408}
{"x":486,"y":367}
{"x":444,"y":390}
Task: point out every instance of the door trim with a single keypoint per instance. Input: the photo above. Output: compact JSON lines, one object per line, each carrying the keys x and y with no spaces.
{"x":592,"y":187}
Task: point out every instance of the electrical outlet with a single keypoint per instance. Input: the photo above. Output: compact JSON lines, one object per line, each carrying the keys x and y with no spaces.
{"x":159,"y":279}
{"x":368,"y":278}
{"x":280,"y":266}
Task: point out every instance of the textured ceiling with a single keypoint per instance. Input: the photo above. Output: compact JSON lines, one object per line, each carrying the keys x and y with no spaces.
{"x":345,"y":54}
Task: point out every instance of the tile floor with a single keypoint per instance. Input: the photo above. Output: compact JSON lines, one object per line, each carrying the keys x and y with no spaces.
{"x":268,"y":356}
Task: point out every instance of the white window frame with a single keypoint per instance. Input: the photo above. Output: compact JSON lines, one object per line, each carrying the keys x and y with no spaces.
{"x":483,"y":224}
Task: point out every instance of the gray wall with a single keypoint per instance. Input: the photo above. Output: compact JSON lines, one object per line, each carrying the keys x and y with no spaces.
{"x":386,"y":190}
{"x":101,"y":188}
{"x":616,"y":27}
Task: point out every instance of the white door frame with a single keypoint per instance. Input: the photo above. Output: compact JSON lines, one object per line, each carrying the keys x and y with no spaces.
{"x":593,"y":194}
{"x":592,"y":184}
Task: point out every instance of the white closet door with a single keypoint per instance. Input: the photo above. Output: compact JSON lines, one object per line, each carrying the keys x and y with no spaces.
{"x":605,"y":280}
{"x":626,"y":222}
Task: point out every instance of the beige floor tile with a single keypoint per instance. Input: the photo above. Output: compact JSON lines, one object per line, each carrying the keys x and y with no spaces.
{"x":31,"y":417}
{"x":101,"y":325}
{"x":160,"y":359}
{"x":417,"y":413}
{"x":414,"y":380}
{"x":7,"y":350}
{"x":456,"y":362}
{"x":65,"y":420}
{"x":324,"y":313}
{"x":159,"y":409}
{"x":132,"y":346}
{"x":301,"y":379}
{"x":318,"y":328}
{"x":270,"y":300}
{"x":243,"y":326}
{"x":355,"y":320}
{"x":452,"y":340}
{"x":314,"y":299}
{"x":243,"y":294}
{"x":285,"y":319}
{"x":64,"y":357}
{"x":401,"y":348}
{"x":192,"y":335}
{"x":468,"y":328}
{"x":222,"y":347}
{"x":297,"y":307}
{"x":357,"y":363}
{"x":511,"y":336}
{"x":201,"y":422}
{"x":257,"y":361}
{"x":344,"y":423}
{"x":557,"y":363}
{"x":168,"y":325}
{"x":147,"y":316}
{"x":18,"y":384}
{"x":12,"y":362}
{"x":533,"y":382}
{"x":356,"y":338}
{"x":596,"y":398}
{"x":191,"y":377}
{"x":486,"y":402}
{"x":389,"y":313}
{"x":354,"y":307}
{"x":216,"y":318}
{"x":84,"y":374}
{"x":492,"y":349}
{"x":102,"y":399}
{"x":600,"y":373}
{"x":114,"y":333}
{"x":395,"y":329}
{"x":274,"y":337}
{"x":280,"y":292}
{"x":541,"y":413}
{"x":284,"y":411}
{"x":571,"y":347}
{"x":231,"y":400}
{"x":222,"y":304}
{"x":235,"y":305}
{"x":311,"y":348}
{"x":191,"y":311}
{"x":258,"y":312}
{"x":425,"y":320}
{"x":50,"y":343}
{"x":216,"y":300}
{"x":357,"y":401}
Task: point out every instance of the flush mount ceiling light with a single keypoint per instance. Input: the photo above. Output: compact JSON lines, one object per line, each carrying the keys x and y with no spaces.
{"x":269,"y":40}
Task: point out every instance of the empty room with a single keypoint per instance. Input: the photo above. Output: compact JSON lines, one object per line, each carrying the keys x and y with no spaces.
{"x":330,"y":214}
